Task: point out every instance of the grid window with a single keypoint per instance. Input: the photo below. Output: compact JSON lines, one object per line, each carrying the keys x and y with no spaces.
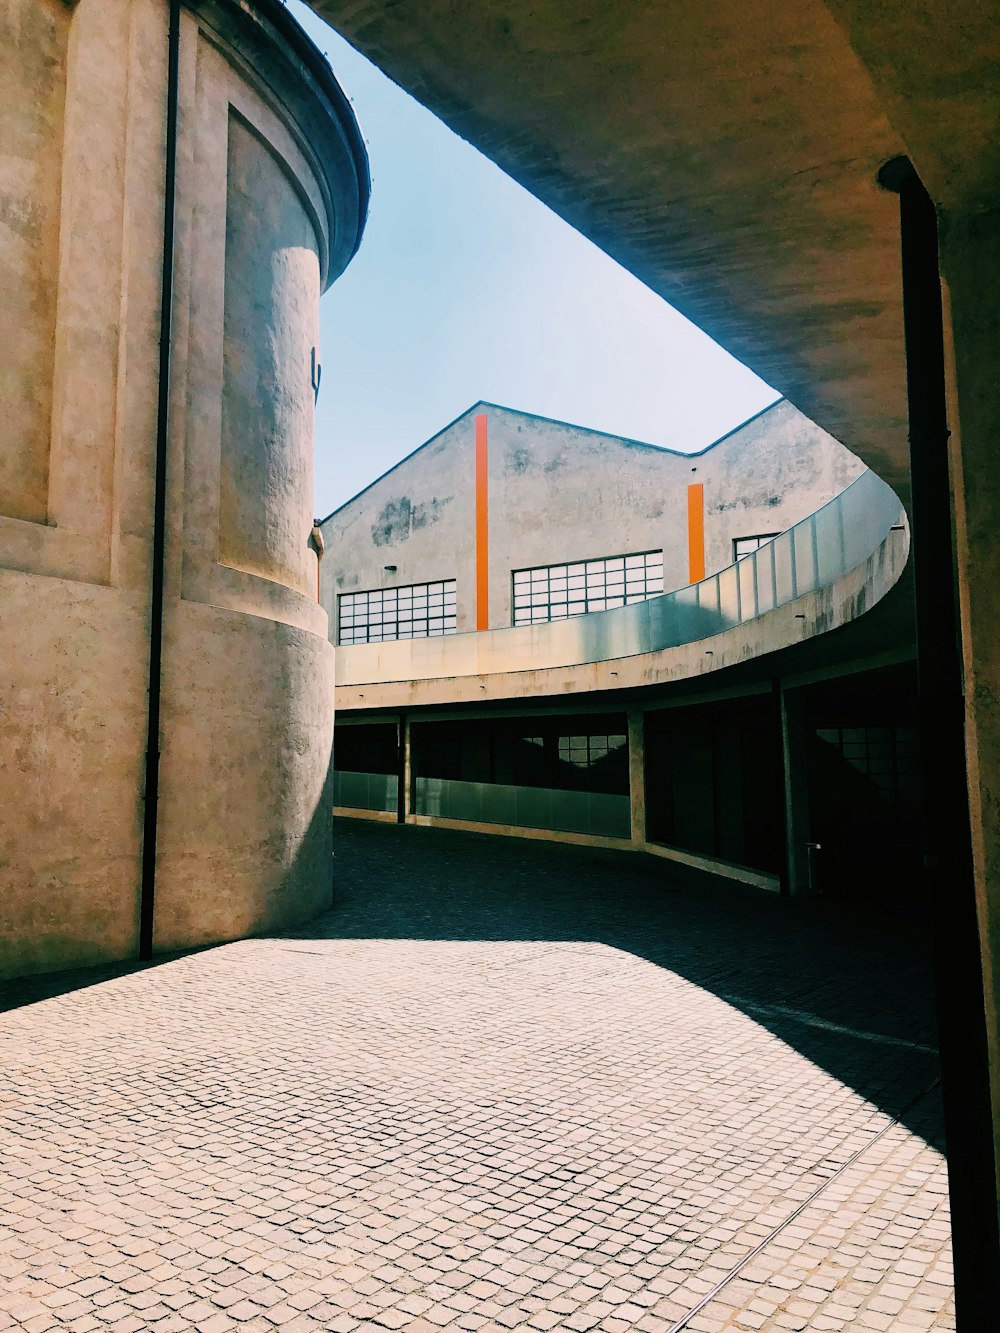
{"x":887,"y":760}
{"x":747,"y":545}
{"x":586,"y":751}
{"x":418,"y":611}
{"x":556,"y":592}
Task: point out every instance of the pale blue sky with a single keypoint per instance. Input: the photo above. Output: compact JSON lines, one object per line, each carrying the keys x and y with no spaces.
{"x":467,"y":288}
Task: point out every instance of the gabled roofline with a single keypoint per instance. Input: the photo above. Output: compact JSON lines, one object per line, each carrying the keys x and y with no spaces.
{"x":553,"y":421}
{"x":388,"y":472}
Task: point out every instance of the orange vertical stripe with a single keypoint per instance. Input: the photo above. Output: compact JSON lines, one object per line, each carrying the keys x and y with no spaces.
{"x":696,"y":532}
{"x":482,"y":526}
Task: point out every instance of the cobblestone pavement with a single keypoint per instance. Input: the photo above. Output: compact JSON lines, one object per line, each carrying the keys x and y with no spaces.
{"x":500,"y":1086}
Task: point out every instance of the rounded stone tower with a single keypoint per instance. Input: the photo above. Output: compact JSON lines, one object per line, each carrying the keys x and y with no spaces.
{"x":116,"y":114}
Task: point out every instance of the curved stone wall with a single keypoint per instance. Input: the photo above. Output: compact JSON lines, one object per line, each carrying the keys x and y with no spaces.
{"x":271,"y":197}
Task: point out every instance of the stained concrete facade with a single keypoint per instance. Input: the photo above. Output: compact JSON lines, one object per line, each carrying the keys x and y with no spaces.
{"x":558,"y":493}
{"x":270,"y":199}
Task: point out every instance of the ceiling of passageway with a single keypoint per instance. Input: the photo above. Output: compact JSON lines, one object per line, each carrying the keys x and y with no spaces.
{"x":726,"y":153}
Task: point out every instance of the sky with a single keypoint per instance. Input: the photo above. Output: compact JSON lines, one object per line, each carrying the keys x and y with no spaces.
{"x":466,"y":287}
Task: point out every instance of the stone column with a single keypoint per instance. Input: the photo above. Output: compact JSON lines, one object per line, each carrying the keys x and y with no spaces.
{"x":970,"y":261}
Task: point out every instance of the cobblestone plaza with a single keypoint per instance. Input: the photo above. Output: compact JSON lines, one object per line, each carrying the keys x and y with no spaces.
{"x":500,"y":1085}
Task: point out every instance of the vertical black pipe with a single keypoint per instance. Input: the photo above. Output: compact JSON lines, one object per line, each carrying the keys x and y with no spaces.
{"x":947,"y":833}
{"x":147,"y":891}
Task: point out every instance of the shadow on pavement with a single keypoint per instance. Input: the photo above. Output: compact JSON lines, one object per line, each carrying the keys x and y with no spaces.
{"x":847,"y":986}
{"x":48,"y":985}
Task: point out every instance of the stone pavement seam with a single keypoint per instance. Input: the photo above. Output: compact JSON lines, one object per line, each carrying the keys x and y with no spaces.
{"x":684,"y":1321}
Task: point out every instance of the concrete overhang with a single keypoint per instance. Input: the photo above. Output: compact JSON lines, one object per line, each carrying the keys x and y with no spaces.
{"x":726,"y":153}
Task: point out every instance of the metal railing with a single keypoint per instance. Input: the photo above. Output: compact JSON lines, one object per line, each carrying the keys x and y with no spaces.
{"x":839,"y":537}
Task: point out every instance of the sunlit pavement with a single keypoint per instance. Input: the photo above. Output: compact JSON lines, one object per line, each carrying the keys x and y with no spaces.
{"x":501,"y":1085}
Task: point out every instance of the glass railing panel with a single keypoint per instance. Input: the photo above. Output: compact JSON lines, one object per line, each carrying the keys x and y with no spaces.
{"x":764,"y":570}
{"x":535,"y":808}
{"x":523,"y":807}
{"x":690,"y":620}
{"x":784,"y":569}
{"x":803,"y":537}
{"x":746,"y":572}
{"x":708,"y":599}
{"x":365,"y":791}
{"x":856,"y":509}
{"x":868,"y":508}
{"x":427,"y":796}
{"x":610,"y":816}
{"x":728,"y":583}
{"x":498,"y":803}
{"x":830,"y":562}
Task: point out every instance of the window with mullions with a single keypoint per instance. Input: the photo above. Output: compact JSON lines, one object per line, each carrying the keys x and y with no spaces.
{"x":418,"y":611}
{"x":888,"y":762}
{"x":556,"y":592}
{"x":588,"y":751}
{"x":747,"y":545}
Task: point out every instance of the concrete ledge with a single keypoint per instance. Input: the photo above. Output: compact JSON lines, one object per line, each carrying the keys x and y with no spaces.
{"x":519,"y":831}
{"x":375,"y":816}
{"x":760,"y":879}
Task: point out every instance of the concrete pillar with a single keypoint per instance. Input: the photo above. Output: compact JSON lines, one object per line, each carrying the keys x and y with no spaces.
{"x":795,"y":792}
{"x":970,"y":260}
{"x":271,"y":191}
{"x":637,"y":775}
{"x":404,"y":797}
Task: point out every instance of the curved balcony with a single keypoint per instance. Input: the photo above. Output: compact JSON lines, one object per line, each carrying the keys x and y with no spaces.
{"x":821,"y":573}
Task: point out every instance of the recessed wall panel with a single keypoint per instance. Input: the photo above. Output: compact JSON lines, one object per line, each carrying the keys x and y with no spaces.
{"x":34,"y":36}
{"x":270,"y":329}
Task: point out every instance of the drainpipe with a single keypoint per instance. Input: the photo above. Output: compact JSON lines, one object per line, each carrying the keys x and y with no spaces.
{"x":948,"y":863}
{"x":147,"y":890}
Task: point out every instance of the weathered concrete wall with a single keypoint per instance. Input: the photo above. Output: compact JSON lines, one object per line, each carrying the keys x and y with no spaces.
{"x":419,"y":517}
{"x":562,"y":493}
{"x":268,"y":213}
{"x":768,"y":475}
{"x":75,"y":562}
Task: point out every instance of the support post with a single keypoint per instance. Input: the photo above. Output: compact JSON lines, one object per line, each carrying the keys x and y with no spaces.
{"x":965,"y":1070}
{"x":637,"y":775}
{"x":970,"y":261}
{"x":795,"y":791}
{"x":404,"y":787}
